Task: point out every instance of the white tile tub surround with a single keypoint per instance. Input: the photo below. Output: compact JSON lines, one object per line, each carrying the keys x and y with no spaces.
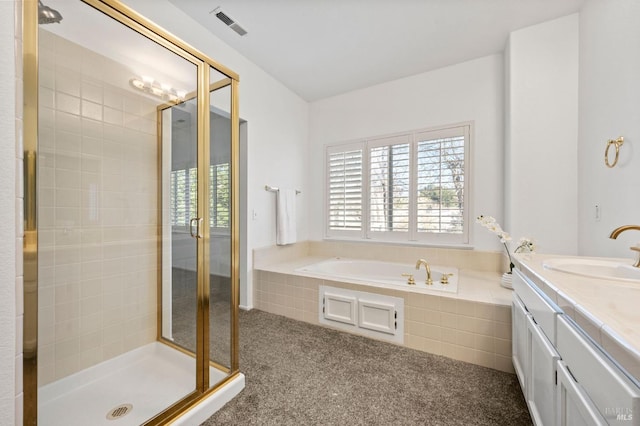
{"x":473,"y":325}
{"x":471,"y":259}
{"x":97,"y":210}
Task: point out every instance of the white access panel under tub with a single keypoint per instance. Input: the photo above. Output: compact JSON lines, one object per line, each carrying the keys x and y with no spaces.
{"x":377,"y":316}
{"x":340,"y":308}
{"x":369,"y":314}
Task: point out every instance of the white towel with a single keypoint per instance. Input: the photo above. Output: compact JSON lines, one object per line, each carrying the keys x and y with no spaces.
{"x":285,"y":217}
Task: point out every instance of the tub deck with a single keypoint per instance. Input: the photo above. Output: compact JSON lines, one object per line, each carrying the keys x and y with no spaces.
{"x":382,"y":274}
{"x":473,"y":286}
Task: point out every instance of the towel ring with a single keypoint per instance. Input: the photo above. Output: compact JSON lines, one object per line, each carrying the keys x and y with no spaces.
{"x":618,"y":143}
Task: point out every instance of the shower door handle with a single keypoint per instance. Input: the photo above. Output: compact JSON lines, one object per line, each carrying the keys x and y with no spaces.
{"x":193,"y":222}
{"x":198,"y":228}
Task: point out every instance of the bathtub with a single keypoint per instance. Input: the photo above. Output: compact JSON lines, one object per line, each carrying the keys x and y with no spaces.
{"x":382,"y":274}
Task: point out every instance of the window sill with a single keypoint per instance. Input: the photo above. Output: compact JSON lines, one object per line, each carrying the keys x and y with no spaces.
{"x":400,"y":243}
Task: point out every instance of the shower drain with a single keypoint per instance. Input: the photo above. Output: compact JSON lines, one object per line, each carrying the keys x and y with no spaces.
{"x":119,"y":411}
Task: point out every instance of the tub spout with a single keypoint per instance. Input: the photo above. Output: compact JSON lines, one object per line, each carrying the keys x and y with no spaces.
{"x":429,"y":281}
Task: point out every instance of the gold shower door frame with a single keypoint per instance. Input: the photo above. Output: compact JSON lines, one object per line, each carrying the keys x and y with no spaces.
{"x":145,"y":28}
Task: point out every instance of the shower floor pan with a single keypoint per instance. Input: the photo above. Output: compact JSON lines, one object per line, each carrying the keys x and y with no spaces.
{"x":132,"y":387}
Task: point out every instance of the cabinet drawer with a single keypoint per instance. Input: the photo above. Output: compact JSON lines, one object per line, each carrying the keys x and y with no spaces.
{"x":613,"y":394}
{"x":541,"y":308}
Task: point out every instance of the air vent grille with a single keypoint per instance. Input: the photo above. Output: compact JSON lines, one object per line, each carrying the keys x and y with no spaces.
{"x":229,"y":21}
{"x":224,"y":18}
{"x":237,"y":28}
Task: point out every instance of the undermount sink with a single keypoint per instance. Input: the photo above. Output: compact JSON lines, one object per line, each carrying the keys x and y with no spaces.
{"x":596,"y":268}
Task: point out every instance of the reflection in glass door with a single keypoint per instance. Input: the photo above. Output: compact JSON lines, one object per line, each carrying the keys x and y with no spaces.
{"x":220,"y":218}
{"x":184,"y":229}
{"x":180,"y":224}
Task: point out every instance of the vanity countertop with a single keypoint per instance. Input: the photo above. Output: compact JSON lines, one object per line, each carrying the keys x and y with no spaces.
{"x":607,"y":310}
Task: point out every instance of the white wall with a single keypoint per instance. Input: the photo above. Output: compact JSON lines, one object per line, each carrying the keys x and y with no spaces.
{"x":470,"y":91}
{"x":541,"y":133}
{"x":277,"y":130}
{"x":609,"y":107}
{"x":10,"y":344}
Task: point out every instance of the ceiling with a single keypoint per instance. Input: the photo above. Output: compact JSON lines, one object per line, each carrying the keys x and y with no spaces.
{"x":322,"y":48}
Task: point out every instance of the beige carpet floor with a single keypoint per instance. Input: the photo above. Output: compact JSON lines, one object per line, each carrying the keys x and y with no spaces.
{"x":302,"y":374}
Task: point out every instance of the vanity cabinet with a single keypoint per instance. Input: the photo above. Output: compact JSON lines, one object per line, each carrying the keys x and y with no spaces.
{"x":534,"y":354}
{"x":541,"y":374}
{"x":566,"y":378}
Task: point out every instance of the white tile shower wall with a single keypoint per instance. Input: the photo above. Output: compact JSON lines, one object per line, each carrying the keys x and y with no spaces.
{"x":97,"y":210}
{"x":474,"y":332}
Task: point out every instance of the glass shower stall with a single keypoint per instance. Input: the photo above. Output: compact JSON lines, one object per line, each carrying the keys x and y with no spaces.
{"x":131,"y":220}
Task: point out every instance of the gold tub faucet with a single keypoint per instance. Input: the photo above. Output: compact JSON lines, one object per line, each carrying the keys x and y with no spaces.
{"x":619,"y":230}
{"x":429,"y":281}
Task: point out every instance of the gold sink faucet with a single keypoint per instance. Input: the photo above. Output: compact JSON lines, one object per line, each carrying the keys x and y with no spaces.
{"x":620,"y":230}
{"x":429,"y":281}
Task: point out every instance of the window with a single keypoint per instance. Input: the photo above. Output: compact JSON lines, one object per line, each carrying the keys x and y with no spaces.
{"x":407,"y":187}
{"x":440,"y":182}
{"x":345,"y":189}
{"x":219,"y":196}
{"x":389,"y":184}
{"x":184,"y":184}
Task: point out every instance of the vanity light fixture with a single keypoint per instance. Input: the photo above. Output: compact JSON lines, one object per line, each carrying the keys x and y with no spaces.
{"x":160,"y":90}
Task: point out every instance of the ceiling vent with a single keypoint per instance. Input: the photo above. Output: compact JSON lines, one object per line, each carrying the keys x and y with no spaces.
{"x":228,"y":21}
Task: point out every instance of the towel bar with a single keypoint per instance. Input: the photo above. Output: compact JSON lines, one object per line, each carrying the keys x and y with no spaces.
{"x":617,"y":143}
{"x":275,"y":189}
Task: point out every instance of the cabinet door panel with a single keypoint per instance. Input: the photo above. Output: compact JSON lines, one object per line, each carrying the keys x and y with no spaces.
{"x":542,"y":376}
{"x":519,"y":341}
{"x":573,"y":406}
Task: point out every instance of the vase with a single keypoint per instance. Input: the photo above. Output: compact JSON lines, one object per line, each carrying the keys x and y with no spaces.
{"x":505,"y":281}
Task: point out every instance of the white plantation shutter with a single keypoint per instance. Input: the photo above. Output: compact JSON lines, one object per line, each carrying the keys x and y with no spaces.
{"x":441,"y":181}
{"x":219,"y":196}
{"x":184,"y":186}
{"x":183,"y":196}
{"x":389,"y":180}
{"x":344,"y":187}
{"x":406,"y":187}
